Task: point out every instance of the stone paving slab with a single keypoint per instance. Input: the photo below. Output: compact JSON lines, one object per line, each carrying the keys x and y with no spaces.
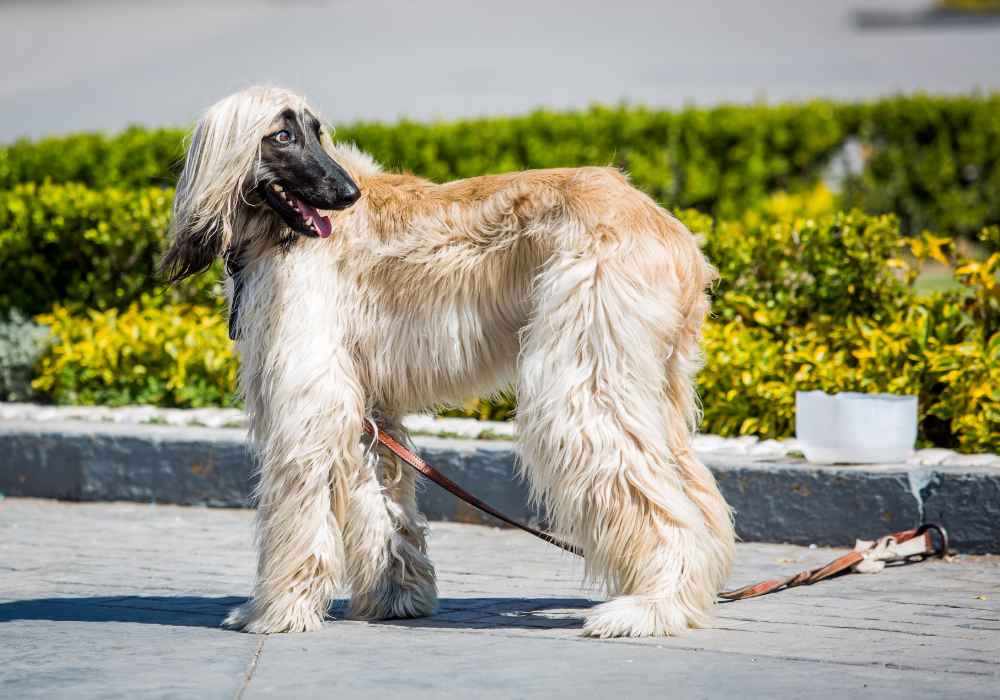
{"x":124,"y":600}
{"x":782,"y":499}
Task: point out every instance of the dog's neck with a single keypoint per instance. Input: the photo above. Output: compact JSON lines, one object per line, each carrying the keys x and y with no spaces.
{"x":358,"y":164}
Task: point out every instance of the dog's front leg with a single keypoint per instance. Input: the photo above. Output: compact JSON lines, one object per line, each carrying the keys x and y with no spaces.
{"x":308,"y":442}
{"x":388,"y":568}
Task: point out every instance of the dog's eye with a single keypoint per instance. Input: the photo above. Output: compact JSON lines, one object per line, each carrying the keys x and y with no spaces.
{"x":282,"y":136}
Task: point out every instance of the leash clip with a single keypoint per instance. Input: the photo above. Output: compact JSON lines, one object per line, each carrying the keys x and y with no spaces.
{"x":941,"y":552}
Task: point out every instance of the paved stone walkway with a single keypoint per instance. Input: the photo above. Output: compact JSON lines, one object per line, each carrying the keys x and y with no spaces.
{"x":124,"y":600}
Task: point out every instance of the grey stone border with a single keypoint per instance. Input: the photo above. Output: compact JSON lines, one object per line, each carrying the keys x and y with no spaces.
{"x":431,"y":425}
{"x":776,"y":500}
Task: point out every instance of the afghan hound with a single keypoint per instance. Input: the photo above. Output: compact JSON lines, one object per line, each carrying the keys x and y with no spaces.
{"x":357,"y":294}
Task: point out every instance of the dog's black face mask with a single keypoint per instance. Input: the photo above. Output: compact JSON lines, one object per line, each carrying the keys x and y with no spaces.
{"x":300,"y":179}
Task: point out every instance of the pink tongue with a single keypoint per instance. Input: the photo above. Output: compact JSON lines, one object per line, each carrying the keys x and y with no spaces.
{"x":323,"y":224}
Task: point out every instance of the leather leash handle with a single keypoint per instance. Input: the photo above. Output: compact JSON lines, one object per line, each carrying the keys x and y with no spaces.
{"x":415,"y":461}
{"x":842,"y":564}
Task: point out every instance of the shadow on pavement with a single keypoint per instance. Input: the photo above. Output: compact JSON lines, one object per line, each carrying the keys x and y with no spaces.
{"x":198,"y":611}
{"x":502,"y":613}
{"x":180,"y":611}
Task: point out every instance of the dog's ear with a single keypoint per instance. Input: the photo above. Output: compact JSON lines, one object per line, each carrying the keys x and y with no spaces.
{"x":191,"y":251}
{"x":197,"y":226}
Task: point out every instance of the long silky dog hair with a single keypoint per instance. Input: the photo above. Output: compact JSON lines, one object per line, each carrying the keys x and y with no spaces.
{"x":363,"y":294}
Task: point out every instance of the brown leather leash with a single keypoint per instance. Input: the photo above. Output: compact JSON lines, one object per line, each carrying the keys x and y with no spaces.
{"x":415,"y":461}
{"x":866,"y":557}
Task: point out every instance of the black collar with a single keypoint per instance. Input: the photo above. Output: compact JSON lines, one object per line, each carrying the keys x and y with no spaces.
{"x":234,"y":268}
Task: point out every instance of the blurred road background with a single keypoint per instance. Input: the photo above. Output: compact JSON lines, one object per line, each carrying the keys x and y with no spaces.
{"x":102,"y":64}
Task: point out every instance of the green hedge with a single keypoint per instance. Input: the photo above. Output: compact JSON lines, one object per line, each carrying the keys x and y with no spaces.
{"x":89,"y":248}
{"x":67,"y":244}
{"x":934,"y":161}
{"x":137,"y":157}
{"x":722,"y":159}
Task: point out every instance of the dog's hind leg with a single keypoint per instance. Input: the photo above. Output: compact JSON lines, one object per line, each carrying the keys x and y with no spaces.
{"x":388,"y":568}
{"x":606,"y":444}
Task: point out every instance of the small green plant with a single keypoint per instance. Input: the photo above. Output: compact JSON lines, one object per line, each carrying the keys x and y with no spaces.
{"x":22,"y":343}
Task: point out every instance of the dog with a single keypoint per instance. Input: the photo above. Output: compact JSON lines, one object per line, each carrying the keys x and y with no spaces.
{"x":358,"y":294}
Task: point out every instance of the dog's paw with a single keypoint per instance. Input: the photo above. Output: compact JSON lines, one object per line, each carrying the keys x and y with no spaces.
{"x":237,"y":617}
{"x":272,"y":620}
{"x":390,"y":601}
{"x":641,"y":616}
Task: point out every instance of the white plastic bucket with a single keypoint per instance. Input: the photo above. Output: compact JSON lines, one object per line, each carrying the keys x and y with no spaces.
{"x":855,"y":428}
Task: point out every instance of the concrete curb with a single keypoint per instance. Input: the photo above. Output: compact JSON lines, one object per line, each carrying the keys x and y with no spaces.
{"x":786,"y":500}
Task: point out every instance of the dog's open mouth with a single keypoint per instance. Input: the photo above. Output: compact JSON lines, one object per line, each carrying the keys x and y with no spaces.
{"x":302,"y":217}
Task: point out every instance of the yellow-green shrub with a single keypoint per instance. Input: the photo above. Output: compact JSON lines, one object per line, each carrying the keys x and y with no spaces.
{"x":749,"y":382}
{"x":780,"y":265}
{"x":175,"y":355}
{"x":752,"y":373}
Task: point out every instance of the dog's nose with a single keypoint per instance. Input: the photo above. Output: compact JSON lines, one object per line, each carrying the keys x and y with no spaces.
{"x":349,"y":194}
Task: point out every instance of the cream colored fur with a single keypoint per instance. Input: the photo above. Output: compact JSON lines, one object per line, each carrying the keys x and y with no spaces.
{"x":570,"y":283}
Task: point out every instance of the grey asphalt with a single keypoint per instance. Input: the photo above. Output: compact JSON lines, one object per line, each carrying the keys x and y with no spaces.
{"x":124,"y":600}
{"x":102,"y":64}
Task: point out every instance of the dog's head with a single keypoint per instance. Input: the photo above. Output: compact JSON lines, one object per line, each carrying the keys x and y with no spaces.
{"x":297,"y":176}
{"x":260,"y":170}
